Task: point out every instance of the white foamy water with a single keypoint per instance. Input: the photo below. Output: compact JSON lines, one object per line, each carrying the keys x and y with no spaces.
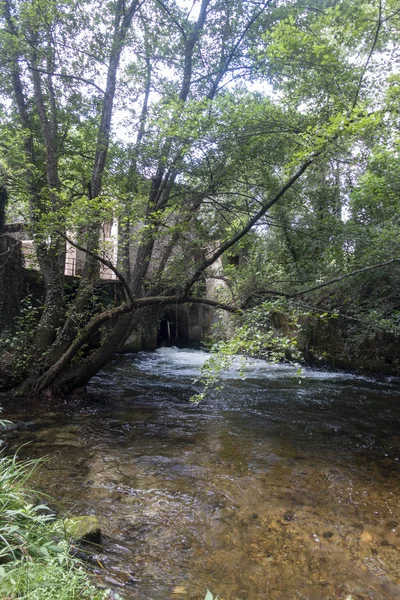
{"x":188,"y":363}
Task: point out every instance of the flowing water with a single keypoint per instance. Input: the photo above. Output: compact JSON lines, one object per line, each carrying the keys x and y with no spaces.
{"x":281,"y":488}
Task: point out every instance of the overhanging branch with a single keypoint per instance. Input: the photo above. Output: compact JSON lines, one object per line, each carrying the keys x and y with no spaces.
{"x":104,"y":261}
{"x":325,"y":283}
{"x":95,"y":323}
{"x":346,"y":275}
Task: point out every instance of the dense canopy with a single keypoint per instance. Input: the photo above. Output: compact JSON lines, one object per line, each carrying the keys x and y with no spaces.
{"x":207,"y":130}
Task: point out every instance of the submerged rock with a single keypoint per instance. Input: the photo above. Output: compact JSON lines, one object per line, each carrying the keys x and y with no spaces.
{"x":289,"y":516}
{"x":84,"y":529}
{"x":366,"y":537}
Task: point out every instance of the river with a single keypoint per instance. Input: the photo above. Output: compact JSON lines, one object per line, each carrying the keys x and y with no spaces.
{"x":282,"y":487}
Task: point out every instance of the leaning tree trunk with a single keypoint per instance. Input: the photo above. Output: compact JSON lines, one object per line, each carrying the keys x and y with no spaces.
{"x":78,"y":376}
{"x":122,"y":22}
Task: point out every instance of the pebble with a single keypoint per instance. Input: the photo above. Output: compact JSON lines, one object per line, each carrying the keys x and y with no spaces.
{"x":178,"y":591}
{"x":366,"y":537}
{"x":289,"y":516}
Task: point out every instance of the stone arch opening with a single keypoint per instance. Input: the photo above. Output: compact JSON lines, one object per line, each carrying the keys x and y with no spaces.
{"x":173,"y":329}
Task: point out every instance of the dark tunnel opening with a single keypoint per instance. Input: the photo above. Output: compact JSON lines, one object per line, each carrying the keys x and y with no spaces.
{"x":173,"y":330}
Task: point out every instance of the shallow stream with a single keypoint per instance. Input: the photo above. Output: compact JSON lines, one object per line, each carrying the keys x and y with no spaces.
{"x":281,"y":488}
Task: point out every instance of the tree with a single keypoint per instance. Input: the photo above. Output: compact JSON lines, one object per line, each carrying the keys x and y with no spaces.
{"x":203,"y":160}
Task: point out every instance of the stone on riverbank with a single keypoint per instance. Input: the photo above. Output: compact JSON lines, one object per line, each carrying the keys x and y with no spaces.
{"x":84,"y":529}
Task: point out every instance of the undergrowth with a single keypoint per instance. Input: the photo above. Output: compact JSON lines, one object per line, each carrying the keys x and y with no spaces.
{"x":35,"y":563}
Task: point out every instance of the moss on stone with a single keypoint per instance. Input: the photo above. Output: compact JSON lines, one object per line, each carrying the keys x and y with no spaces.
{"x":85,"y":529}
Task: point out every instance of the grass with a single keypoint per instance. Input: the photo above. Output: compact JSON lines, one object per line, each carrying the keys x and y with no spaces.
{"x":35,"y":562}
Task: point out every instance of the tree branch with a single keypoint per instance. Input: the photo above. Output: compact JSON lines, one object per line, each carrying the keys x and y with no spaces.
{"x":160,"y":300}
{"x":352,"y":274}
{"x":226,"y":62}
{"x":104,"y":261}
{"x":324,"y":284}
{"x":173,"y":19}
{"x":65,"y":76}
{"x":336,"y":314}
{"x":149,"y":300}
{"x":49,"y":376}
{"x":374,"y":43}
{"x":251,"y":222}
{"x":264,"y":208}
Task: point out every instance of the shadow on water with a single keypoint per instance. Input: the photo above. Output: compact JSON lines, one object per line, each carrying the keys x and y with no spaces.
{"x":280,"y":488}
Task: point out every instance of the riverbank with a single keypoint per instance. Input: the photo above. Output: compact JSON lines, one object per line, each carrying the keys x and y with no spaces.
{"x":35,"y":558}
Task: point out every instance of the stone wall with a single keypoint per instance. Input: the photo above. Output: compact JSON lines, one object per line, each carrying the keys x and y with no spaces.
{"x":334,"y":343}
{"x":185,"y":326}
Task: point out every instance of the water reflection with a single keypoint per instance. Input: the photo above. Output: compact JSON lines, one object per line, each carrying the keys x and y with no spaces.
{"x":281,"y":488}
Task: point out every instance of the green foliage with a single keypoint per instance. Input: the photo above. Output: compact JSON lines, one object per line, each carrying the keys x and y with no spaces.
{"x":318,"y":50}
{"x":268,"y":331}
{"x":273,"y":105}
{"x":34,"y":554}
{"x":374,"y":205}
{"x":17,"y":347}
